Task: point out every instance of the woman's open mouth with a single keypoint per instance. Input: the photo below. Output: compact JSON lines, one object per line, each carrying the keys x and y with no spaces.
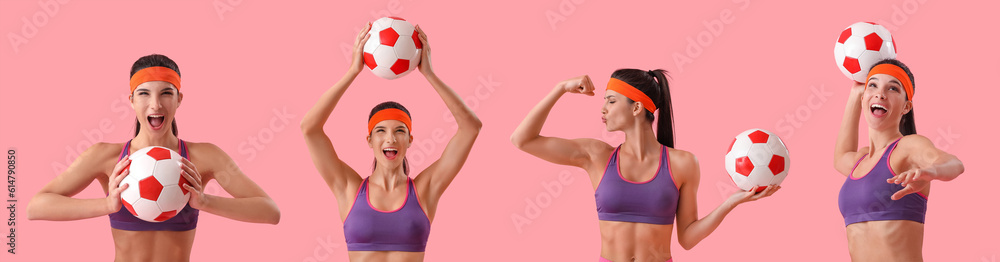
{"x":878,"y":110}
{"x":155,"y":121}
{"x":390,"y":153}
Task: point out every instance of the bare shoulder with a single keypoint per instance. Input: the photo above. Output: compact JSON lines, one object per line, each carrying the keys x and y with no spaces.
{"x":914,"y":141}
{"x":205,"y":149}
{"x":208,"y":157}
{"x":106,"y":154}
{"x":683,"y":164}
{"x":99,"y":159}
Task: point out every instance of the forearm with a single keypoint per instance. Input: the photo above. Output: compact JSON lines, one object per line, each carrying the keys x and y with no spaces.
{"x":464,"y":116}
{"x":947,"y":169}
{"x":847,"y":137}
{"x":700,"y":229}
{"x":49,"y":206}
{"x":247,"y":209}
{"x":320,"y":112}
{"x":531,"y":126}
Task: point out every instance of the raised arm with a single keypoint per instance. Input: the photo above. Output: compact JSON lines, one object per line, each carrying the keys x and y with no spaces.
{"x":55,"y":200}
{"x":690,"y":229}
{"x":338,"y":176}
{"x":845,"y":153}
{"x":440,"y":173}
{"x":577,"y":152}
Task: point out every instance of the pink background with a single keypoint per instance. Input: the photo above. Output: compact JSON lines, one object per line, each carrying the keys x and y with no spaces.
{"x":66,"y":88}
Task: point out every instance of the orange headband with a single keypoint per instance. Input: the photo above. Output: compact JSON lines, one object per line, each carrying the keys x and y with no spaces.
{"x":632,"y":93}
{"x":389,"y":114}
{"x":155,"y":73}
{"x":898,"y":73}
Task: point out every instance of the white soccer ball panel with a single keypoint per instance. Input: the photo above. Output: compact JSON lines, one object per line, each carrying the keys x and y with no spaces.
{"x":381,"y":23}
{"x":854,"y":46}
{"x":168,"y":172}
{"x":146,"y":209}
{"x":777,"y":147}
{"x":760,"y":155}
{"x":131,"y":193}
{"x":141,"y":166}
{"x":372,"y":44}
{"x":761,"y":176}
{"x":172,"y":198}
{"x":403,"y":28}
{"x":405,"y":49}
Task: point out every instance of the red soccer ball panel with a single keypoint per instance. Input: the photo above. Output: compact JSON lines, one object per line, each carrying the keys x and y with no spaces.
{"x":159,"y":153}
{"x":149,"y":188}
{"x":758,"y":137}
{"x":388,"y":37}
{"x":744,"y":166}
{"x":777,"y":164}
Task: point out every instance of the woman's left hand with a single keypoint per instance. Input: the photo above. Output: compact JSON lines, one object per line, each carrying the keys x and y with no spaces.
{"x":194,"y":186}
{"x":913,"y":180}
{"x":751,"y":195}
{"x":425,"y":53}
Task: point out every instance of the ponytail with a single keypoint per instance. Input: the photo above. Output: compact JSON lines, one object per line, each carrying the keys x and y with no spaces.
{"x":654,"y":84}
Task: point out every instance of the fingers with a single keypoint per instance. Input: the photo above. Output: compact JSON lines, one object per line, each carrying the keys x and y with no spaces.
{"x":192,"y":180}
{"x":118,"y":180}
{"x":118,"y":191}
{"x":121,"y":165}
{"x":904,"y":178}
{"x":909,"y":189}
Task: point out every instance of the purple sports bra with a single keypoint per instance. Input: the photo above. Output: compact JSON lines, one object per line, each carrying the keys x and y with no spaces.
{"x":651,"y":202}
{"x":868,"y":198}
{"x":185,"y":220}
{"x":370,"y":229}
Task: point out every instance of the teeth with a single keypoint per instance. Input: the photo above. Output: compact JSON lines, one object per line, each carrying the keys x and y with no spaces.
{"x":389,"y":149}
{"x":156,"y":116}
{"x":878,"y":106}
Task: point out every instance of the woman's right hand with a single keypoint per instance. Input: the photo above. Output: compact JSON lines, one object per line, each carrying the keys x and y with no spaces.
{"x":578,"y":85}
{"x":858,"y":89}
{"x":114,"y":198}
{"x":357,"y":57}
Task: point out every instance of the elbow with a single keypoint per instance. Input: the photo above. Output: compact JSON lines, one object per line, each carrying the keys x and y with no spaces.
{"x":517,"y":140}
{"x":471,"y":123}
{"x":33,"y":212}
{"x":687,"y":245}
{"x":273,"y":215}
{"x":274,"y":218}
{"x":308,"y":127}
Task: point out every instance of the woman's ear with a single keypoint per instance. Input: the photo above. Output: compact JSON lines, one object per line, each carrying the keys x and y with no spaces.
{"x":637,"y":108}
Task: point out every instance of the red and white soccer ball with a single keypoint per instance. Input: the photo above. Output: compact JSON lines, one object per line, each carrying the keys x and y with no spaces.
{"x":393,"y":49}
{"x":860,"y":46}
{"x":757,"y":157}
{"x":154,"y":181}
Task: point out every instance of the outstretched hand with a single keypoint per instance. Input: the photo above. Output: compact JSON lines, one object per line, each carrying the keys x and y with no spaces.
{"x":753,"y":195}
{"x":913,"y":180}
